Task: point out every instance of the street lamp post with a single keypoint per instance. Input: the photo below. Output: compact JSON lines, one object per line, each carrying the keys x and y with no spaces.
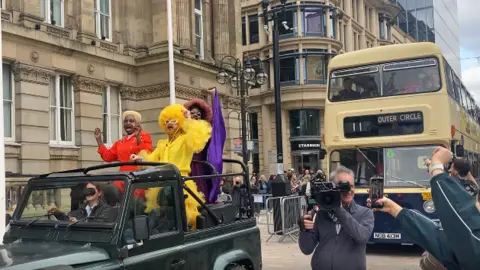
{"x":280,"y":186}
{"x":238,"y":77}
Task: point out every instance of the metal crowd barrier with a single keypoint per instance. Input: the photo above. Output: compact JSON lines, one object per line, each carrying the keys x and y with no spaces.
{"x":282,"y":215}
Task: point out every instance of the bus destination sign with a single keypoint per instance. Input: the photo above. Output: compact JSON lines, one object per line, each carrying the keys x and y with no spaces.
{"x":400,"y":118}
{"x":392,"y":124}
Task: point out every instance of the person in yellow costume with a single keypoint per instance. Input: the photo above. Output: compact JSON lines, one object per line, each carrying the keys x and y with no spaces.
{"x":184,"y":138}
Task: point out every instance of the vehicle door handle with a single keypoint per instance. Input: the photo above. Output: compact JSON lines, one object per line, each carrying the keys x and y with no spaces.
{"x":177,"y":264}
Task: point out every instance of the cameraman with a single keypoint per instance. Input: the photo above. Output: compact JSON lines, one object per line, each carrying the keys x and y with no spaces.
{"x":343,"y":232}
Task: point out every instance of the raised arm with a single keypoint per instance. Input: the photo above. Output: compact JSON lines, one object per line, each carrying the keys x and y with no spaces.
{"x":359,"y":230}
{"x":144,"y":142}
{"x":108,"y":154}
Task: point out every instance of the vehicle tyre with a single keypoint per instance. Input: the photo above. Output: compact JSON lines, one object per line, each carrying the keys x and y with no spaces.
{"x":236,"y":267}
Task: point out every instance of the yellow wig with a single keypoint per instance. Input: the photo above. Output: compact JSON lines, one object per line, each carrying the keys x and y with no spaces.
{"x":174,"y":111}
{"x":192,"y":138}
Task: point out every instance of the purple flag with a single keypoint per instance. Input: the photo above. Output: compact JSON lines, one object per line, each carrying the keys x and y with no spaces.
{"x":215,"y":148}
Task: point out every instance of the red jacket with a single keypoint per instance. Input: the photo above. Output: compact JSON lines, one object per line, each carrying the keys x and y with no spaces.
{"x":121,"y":151}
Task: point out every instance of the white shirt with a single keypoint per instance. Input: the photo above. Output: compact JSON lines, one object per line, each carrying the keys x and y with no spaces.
{"x":89,"y":208}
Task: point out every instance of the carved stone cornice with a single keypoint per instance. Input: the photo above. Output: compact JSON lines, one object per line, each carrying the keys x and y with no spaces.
{"x":58,"y":31}
{"x":158,"y":91}
{"x":32,"y":74}
{"x":233,"y":102}
{"x":88,"y":85}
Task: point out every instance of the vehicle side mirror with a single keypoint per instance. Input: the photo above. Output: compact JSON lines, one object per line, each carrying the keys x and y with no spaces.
{"x":140,"y":228}
{"x":459,"y":151}
{"x":323,"y":153}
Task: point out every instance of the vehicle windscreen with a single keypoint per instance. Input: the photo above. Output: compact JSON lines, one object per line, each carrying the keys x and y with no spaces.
{"x":387,"y":79}
{"x":76,"y":204}
{"x":400,"y":166}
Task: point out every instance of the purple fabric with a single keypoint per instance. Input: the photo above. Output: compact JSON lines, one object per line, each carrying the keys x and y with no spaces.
{"x":215,"y":148}
{"x":199,"y":169}
{"x":213,"y":153}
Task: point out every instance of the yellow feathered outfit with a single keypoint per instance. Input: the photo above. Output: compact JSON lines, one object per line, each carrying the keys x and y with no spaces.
{"x":192,"y":136}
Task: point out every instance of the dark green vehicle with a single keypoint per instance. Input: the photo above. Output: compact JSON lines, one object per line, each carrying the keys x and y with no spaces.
{"x":51,"y":230}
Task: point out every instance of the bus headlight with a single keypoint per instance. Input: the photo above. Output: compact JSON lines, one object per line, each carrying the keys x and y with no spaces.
{"x":429,"y":207}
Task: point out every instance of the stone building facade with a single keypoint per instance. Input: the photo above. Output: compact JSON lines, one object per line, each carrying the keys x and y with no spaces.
{"x":70,"y":66}
{"x":315,"y":31}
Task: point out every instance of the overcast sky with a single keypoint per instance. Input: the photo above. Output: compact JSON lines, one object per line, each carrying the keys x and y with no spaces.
{"x":468,"y":15}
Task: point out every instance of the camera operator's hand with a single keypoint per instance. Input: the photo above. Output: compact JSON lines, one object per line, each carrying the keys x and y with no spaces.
{"x":389,"y":206}
{"x":308,"y":222}
{"x":441,"y":155}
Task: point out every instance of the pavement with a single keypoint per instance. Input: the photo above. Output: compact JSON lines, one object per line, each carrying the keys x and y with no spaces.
{"x":287,"y":255}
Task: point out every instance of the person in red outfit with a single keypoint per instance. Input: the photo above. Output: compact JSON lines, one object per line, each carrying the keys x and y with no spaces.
{"x":135,"y":141}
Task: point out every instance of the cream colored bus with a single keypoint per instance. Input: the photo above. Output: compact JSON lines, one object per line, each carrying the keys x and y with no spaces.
{"x":387,"y":109}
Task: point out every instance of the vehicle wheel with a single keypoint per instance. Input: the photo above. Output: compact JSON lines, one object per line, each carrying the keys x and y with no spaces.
{"x":236,"y":267}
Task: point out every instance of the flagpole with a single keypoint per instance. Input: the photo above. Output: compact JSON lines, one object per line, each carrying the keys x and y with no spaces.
{"x":171,"y":68}
{"x":3,"y":206}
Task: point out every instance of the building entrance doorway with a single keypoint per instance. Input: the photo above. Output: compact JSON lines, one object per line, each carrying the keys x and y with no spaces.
{"x":306,"y":160}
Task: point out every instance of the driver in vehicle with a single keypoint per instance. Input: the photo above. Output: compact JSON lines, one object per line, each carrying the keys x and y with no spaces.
{"x":347,"y":93}
{"x":94,"y":209}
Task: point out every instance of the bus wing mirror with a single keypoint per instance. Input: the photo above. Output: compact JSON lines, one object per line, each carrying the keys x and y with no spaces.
{"x":322,"y":154}
{"x":459,"y":151}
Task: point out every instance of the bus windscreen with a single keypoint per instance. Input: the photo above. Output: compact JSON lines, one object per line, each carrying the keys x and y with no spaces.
{"x":388,"y":79}
{"x":400,"y":166}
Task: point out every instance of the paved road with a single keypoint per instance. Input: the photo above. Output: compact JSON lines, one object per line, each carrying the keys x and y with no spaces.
{"x":287,"y":255}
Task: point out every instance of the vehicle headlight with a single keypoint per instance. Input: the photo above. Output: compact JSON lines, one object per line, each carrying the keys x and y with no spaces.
{"x":429,"y":207}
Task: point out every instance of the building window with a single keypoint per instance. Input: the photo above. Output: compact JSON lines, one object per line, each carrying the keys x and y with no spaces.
{"x":199,"y":28}
{"x":253,"y":25}
{"x":8,"y":106}
{"x":61,"y":111}
{"x":111,"y":115}
{"x":304,"y":122}
{"x":244,"y":31}
{"x":314,"y":23}
{"x":290,"y":18}
{"x":253,"y":117}
{"x":289,"y":70}
{"x":103,"y":19}
{"x":315,"y":68}
{"x":52,"y":11}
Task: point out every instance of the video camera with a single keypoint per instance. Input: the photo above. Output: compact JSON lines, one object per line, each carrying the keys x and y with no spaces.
{"x":327,"y":194}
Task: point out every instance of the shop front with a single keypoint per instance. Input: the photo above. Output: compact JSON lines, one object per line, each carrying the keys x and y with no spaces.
{"x":305,"y":139}
{"x":306,"y":154}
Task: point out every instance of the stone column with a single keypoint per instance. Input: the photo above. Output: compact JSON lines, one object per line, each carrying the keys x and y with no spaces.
{"x":329,"y":22}
{"x":207,"y":29}
{"x":221,"y":32}
{"x":185,"y":26}
{"x":32,"y":114}
{"x":86,"y":20}
{"x":88,"y":116}
{"x":30,"y":12}
{"x":349,"y":37}
{"x":361,"y":12}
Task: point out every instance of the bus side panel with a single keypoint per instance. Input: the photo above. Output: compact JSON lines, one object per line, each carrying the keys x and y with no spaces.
{"x":386,"y":228}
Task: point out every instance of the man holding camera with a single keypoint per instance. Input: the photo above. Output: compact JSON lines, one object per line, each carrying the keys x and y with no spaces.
{"x":338,"y":236}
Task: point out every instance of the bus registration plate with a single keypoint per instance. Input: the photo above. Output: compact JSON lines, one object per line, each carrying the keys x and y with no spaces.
{"x":387,"y":235}
{"x":426,"y":196}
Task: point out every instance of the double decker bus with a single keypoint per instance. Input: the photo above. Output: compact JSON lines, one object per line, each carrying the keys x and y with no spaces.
{"x":387,"y":109}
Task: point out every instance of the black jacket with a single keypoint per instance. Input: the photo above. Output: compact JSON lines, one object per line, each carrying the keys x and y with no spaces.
{"x":345,"y":250}
{"x":102,"y":213}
